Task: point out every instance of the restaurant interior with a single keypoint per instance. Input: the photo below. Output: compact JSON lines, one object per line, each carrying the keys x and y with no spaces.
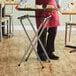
{"x":19,"y":35}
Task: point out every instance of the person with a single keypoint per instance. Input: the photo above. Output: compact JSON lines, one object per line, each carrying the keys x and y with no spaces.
{"x":48,"y":41}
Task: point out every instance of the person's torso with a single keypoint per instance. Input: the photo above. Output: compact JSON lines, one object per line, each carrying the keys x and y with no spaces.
{"x":46,"y":2}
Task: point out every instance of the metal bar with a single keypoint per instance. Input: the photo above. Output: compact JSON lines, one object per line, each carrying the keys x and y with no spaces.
{"x":31,"y":41}
{"x":31,"y":44}
{"x":46,"y":19}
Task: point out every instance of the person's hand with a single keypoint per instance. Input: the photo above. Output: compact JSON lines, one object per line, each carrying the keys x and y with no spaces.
{"x":58,"y":6}
{"x":18,"y":6}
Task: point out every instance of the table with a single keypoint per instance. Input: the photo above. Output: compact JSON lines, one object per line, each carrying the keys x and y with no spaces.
{"x":11,"y":3}
{"x":32,"y":43}
{"x":10,"y":16}
{"x":11,"y":28}
{"x":69,"y":12}
{"x":34,"y":9}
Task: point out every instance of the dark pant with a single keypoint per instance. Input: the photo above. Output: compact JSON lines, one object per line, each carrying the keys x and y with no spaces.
{"x":47,"y":38}
{"x":3,"y":23}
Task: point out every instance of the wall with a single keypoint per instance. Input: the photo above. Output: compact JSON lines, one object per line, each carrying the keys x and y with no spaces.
{"x":63,"y":18}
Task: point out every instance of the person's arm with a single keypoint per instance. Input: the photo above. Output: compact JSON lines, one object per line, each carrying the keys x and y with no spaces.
{"x":21,"y":3}
{"x":58,"y":3}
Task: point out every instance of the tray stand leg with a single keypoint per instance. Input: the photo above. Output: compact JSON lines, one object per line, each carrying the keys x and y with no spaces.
{"x":36,"y":33}
{"x":31,"y":45}
{"x":31,"y":41}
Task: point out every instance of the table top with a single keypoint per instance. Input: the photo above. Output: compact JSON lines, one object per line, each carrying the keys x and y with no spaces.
{"x":68,"y":12}
{"x":10,"y":3}
{"x":34,"y":9}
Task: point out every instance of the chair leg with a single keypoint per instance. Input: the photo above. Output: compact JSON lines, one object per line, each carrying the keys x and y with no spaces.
{"x":7,"y":27}
{"x":10,"y":24}
{"x":1,"y":34}
{"x":65,"y":34}
{"x":70,"y":33}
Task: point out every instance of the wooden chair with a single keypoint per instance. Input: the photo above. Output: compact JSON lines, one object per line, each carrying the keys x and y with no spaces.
{"x":2,"y":19}
{"x":9,"y":15}
{"x":69,"y":26}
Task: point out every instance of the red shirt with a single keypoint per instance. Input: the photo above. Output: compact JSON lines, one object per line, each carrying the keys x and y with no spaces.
{"x":54,"y":20}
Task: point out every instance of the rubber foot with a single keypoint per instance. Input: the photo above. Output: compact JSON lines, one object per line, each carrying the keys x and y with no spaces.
{"x":49,"y":61}
{"x":42,"y":67}
{"x":25,"y":59}
{"x":18,"y":64}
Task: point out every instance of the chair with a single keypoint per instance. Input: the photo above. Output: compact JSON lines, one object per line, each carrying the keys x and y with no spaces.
{"x":70,"y":24}
{"x":2,"y":19}
{"x":9,"y":15}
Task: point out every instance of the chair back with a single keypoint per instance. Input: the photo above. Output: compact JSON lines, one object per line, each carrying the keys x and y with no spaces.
{"x":0,"y":11}
{"x":0,"y":21}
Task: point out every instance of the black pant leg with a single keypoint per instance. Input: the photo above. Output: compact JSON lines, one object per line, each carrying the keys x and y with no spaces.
{"x":43,"y":40}
{"x":51,"y":39}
